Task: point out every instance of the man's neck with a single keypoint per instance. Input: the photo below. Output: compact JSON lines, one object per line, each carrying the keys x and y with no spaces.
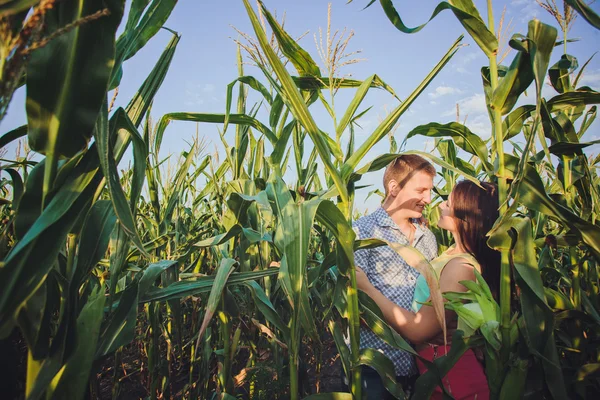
{"x":403,"y":222}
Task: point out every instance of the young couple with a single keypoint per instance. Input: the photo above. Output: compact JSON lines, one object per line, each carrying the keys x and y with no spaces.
{"x":398,"y":289}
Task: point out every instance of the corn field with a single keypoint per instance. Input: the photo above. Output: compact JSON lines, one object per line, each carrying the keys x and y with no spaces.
{"x":175,"y":265}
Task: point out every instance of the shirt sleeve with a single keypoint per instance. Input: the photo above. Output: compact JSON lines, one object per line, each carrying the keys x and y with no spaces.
{"x":362,"y":257}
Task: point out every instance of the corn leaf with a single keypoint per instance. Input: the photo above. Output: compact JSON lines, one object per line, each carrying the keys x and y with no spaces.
{"x":58,"y":77}
{"x":467,"y":15}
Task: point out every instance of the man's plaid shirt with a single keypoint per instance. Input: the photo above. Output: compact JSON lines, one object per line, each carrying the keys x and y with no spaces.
{"x":391,"y":275}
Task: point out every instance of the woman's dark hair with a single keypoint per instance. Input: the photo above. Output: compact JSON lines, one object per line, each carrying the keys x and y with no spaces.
{"x":476,"y":209}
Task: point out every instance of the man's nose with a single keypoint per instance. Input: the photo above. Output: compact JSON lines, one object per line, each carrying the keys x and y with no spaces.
{"x":427,"y":197}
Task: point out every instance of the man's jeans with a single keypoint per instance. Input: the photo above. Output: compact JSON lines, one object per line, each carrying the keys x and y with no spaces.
{"x":373,"y":388}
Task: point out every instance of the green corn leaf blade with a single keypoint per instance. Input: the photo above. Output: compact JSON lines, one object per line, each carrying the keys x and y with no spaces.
{"x":267,"y":309}
{"x":553,"y":373}
{"x":119,"y":328}
{"x":254,"y":84}
{"x":35,"y":319}
{"x":95,"y":236}
{"x":280,"y":146}
{"x":570,"y":148}
{"x":294,"y":101}
{"x":151,"y":273}
{"x":225,"y":269}
{"x":542,"y":39}
{"x":103,"y":135}
{"x":142,"y":100}
{"x":183,"y":289}
{"x":516,"y":80}
{"x":388,"y":123}
{"x":250,"y":234}
{"x":467,"y":15}
{"x":135,"y":13}
{"x":13,"y":135}
{"x":137,"y":33}
{"x":62,"y":101}
{"x":338,"y":337}
{"x":462,"y":136}
{"x":373,"y":317}
{"x":513,"y":123}
{"x":177,"y":186}
{"x":323,"y":82}
{"x":585,"y":11}
{"x":359,"y":96}
{"x":513,"y":386}
{"x":17,"y":186}
{"x":276,"y":109}
{"x":385,"y":368}
{"x":560,"y":73}
{"x":556,"y":300}
{"x":30,"y":260}
{"x":588,"y":119}
{"x":71,"y":381}
{"x":302,"y":61}
{"x":214,"y":119}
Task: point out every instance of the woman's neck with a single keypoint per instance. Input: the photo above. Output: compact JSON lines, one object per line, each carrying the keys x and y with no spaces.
{"x":458,"y":247}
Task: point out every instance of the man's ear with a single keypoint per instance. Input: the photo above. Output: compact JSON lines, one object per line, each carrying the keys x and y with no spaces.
{"x":393,"y":187}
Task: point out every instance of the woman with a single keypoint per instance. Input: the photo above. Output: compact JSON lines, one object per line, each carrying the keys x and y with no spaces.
{"x":469,"y":214}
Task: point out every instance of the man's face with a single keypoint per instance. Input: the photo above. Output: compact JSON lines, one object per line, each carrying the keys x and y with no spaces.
{"x":415,"y":194}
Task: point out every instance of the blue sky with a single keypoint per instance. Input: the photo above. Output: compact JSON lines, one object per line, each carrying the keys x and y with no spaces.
{"x":205,"y":62}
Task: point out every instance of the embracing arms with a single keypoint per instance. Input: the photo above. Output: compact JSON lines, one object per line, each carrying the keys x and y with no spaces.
{"x":423,"y":325}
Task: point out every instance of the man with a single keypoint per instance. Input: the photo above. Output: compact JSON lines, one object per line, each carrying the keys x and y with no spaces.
{"x":408,"y":182}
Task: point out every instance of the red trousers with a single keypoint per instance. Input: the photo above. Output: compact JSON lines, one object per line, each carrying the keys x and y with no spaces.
{"x":466,"y":380}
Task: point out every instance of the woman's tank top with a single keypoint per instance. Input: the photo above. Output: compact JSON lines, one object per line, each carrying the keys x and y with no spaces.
{"x":422,"y":290}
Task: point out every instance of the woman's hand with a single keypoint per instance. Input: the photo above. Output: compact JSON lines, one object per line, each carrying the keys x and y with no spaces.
{"x":362,"y":282}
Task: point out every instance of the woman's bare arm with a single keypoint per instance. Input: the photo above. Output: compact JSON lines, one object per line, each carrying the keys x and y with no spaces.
{"x":423,"y":325}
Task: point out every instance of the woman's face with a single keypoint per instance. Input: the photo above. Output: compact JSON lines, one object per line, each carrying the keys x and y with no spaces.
{"x":447,"y":220}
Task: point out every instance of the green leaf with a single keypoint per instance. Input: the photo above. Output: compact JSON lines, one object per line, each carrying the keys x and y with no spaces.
{"x":183,"y":289}
{"x":71,"y":381}
{"x":585,"y":11}
{"x":516,"y":80}
{"x":250,"y":234}
{"x":385,"y":368}
{"x":265,"y":306}
{"x":214,"y":119}
{"x":462,"y":136}
{"x":467,"y":15}
{"x":560,"y":73}
{"x":95,"y":236}
{"x":137,"y":33}
{"x":119,"y":329}
{"x":103,"y":135}
{"x":302,"y":61}
{"x":63,"y":100}
{"x":225,"y":269}
{"x":13,"y":135}
{"x":254,"y":84}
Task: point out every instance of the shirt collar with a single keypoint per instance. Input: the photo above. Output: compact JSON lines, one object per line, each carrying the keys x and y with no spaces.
{"x":383,"y":219}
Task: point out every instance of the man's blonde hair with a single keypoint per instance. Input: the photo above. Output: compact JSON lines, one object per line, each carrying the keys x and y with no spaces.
{"x":405,"y":167}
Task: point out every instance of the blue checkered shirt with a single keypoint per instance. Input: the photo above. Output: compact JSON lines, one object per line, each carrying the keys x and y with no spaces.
{"x":391,"y":275}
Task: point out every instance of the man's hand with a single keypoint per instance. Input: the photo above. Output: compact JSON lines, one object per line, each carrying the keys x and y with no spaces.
{"x":275,"y":264}
{"x":362,"y":282}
